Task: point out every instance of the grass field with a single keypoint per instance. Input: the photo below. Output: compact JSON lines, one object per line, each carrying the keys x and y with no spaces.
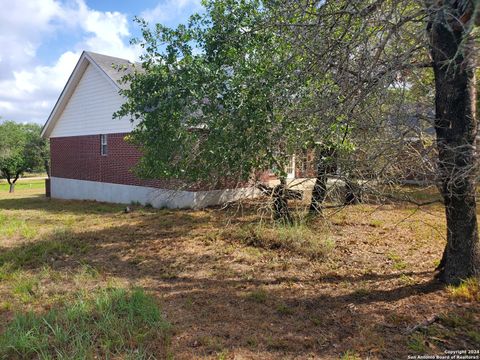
{"x":22,"y":184}
{"x":86,"y":280}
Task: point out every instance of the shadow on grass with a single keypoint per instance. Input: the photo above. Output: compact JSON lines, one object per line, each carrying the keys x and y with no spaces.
{"x":103,"y":244}
{"x":36,"y":254}
{"x":213,"y":311}
{"x":88,"y":207}
{"x":40,"y":202}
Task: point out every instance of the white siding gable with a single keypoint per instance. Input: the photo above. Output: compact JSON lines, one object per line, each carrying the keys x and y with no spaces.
{"x":89,"y":110}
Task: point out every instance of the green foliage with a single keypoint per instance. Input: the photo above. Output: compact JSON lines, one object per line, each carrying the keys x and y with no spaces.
{"x":284,"y":309}
{"x":397,"y":261}
{"x":416,"y":342}
{"x":21,"y":149}
{"x":12,"y":226}
{"x":350,"y":355}
{"x":215,"y":98}
{"x":246,"y":84}
{"x":110,"y":323}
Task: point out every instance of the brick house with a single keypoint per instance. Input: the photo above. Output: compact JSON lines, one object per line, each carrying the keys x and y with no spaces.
{"x":90,"y":159}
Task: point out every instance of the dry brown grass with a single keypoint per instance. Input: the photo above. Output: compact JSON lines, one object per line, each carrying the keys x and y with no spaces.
{"x":229,"y":295}
{"x":298,"y":238}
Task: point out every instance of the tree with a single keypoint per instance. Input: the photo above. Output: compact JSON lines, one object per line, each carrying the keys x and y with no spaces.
{"x":453,"y":55}
{"x":356,"y":48}
{"x":234,"y":107}
{"x":37,"y":149}
{"x":370,"y":47}
{"x":21,"y":149}
{"x":269,"y":78}
{"x":222,"y":112}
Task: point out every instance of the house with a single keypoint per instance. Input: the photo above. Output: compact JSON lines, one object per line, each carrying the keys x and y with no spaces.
{"x":90,"y":159}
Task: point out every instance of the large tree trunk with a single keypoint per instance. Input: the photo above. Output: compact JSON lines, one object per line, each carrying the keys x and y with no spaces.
{"x":319,"y":192}
{"x":46,"y":166}
{"x":456,"y":129}
{"x":12,"y":188}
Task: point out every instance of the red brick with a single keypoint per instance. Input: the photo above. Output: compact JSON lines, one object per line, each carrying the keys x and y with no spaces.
{"x":78,"y":157}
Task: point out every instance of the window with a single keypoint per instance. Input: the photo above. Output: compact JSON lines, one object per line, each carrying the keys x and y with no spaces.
{"x":305,"y":162}
{"x":103,"y":144}
{"x":290,"y":169}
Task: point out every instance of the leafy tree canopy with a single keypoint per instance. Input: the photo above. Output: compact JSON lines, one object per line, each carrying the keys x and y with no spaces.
{"x":21,"y":149}
{"x":216,"y":97}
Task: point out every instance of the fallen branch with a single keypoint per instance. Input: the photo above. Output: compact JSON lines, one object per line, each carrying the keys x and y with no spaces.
{"x":288,"y":193}
{"x":422,"y":325}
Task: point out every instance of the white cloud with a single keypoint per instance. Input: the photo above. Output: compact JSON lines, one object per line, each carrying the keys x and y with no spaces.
{"x":29,"y":89}
{"x":31,"y":94}
{"x":46,"y":77}
{"x":170,"y":12}
{"x":107,"y":32}
{"x":23,"y":24}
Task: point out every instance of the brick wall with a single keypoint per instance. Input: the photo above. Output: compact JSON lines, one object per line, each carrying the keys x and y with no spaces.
{"x":78,"y":157}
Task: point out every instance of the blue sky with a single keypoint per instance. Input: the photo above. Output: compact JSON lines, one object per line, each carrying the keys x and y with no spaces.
{"x":41,"y":40}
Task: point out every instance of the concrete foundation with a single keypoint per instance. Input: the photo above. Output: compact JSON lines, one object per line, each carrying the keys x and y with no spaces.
{"x":72,"y":189}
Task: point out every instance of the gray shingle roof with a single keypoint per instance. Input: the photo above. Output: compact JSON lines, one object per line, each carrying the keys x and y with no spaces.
{"x":115,"y":68}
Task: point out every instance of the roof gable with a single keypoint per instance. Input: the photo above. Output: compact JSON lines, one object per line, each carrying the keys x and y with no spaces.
{"x":105,"y":65}
{"x":115,"y":68}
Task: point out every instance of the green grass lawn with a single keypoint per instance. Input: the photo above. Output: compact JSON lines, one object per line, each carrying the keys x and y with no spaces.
{"x":34,"y":174}
{"x":22,"y":184}
{"x":110,"y":323}
{"x":81,"y":279}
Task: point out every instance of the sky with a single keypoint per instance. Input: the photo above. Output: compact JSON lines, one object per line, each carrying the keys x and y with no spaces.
{"x":41,"y":41}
